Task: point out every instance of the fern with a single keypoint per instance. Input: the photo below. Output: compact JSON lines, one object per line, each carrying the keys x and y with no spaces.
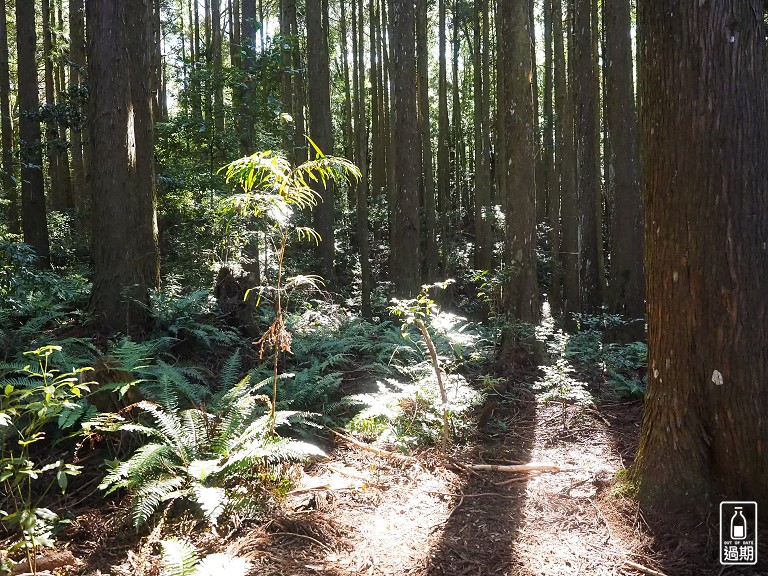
{"x":194,"y":454}
{"x":181,"y":559}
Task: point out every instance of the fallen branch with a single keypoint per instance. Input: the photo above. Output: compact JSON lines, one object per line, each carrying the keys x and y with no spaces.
{"x":530,"y":467}
{"x":643,"y":569}
{"x":368,"y":448}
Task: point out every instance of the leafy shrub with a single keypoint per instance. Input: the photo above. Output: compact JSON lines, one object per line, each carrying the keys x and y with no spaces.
{"x":34,"y":396}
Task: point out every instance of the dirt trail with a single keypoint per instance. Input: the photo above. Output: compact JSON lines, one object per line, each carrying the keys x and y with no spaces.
{"x":360,"y":513}
{"x":377,"y":516}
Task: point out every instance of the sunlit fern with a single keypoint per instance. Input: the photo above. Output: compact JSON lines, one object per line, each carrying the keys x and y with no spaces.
{"x":193,"y":455}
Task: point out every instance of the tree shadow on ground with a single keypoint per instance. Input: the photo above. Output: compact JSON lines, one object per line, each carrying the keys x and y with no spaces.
{"x":479,"y":535}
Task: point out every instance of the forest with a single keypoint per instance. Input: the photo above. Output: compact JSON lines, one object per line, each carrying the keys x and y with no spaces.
{"x":383,"y":287}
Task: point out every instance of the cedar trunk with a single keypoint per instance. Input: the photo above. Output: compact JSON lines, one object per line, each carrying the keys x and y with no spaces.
{"x":125,"y":258}
{"x":626,"y":293}
{"x":405,"y":233}
{"x":704,"y":119}
{"x":33,"y":214}
{"x":520,"y":238}
{"x":6,"y":125}
{"x":320,"y":126}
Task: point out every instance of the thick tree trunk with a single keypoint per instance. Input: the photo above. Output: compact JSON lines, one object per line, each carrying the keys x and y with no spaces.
{"x":120,"y":121}
{"x":10,"y":191}
{"x":33,"y":213}
{"x":320,"y":126}
{"x":704,"y":118}
{"x":521,"y":299}
{"x":405,"y":262}
{"x":626,"y":225}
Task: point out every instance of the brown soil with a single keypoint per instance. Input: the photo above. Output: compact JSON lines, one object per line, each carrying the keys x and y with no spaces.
{"x":363,"y":513}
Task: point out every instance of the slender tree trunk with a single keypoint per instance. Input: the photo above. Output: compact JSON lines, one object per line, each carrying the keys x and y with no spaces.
{"x":541,"y":190}
{"x":427,"y":175}
{"x":287,"y":8}
{"x":361,"y":145}
{"x":349,"y":141}
{"x":569,"y":249}
{"x":483,"y":209}
{"x":53,"y":142}
{"x":405,"y":263}
{"x":80,"y":196}
{"x":33,"y":214}
{"x":299,"y":92}
{"x":217,"y":81}
{"x":443,"y":137}
{"x":320,"y":125}
{"x":197,"y":107}
{"x":627,"y":278}
{"x":10,"y":192}
{"x":556,"y":182}
{"x":704,"y":118}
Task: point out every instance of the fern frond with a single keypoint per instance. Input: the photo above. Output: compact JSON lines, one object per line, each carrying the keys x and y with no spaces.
{"x":230,"y":371}
{"x":151,"y":495}
{"x":179,"y":558}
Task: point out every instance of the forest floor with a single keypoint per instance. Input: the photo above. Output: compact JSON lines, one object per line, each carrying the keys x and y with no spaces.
{"x":368,"y":513}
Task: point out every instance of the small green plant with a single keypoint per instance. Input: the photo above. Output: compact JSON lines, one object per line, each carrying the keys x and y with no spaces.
{"x":273,"y":190}
{"x":33,"y":397}
{"x":195,"y":455}
{"x":414,"y":311}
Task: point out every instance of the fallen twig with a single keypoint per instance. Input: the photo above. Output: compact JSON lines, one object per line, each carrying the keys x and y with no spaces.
{"x":530,"y":467}
{"x":368,"y":448}
{"x":643,"y":569}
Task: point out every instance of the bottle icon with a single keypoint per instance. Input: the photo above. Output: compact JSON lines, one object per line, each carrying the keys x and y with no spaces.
{"x":738,"y":525}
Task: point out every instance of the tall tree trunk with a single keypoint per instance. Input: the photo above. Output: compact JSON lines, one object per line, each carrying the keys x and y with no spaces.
{"x":10,"y":192}
{"x":299,"y":91}
{"x":125,"y":257}
{"x":541,"y":190}
{"x":217,"y":82}
{"x":549,"y":183}
{"x":80,"y":196}
{"x":556,"y":176}
{"x":569,"y":248}
{"x":443,"y":137}
{"x":320,"y":125}
{"x":33,"y":214}
{"x":704,"y":118}
{"x":349,"y":141}
{"x":197,"y":107}
{"x":587,"y":181}
{"x":521,"y":299}
{"x":627,"y":279}
{"x":287,"y":11}
{"x":405,"y":263}
{"x":361,"y":145}
{"x":483,"y":209}
{"x":54,"y":144}
{"x":427,"y":174}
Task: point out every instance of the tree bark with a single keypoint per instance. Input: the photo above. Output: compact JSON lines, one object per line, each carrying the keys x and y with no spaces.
{"x":125,"y":257}
{"x":10,"y":190}
{"x":556,"y":170}
{"x":587,"y":185}
{"x":443,"y":136}
{"x":626,"y":225}
{"x":33,"y":214}
{"x":405,"y":263}
{"x":521,"y":299}
{"x":80,"y":196}
{"x":483,"y":210}
{"x":704,"y":119}
{"x":320,"y":125}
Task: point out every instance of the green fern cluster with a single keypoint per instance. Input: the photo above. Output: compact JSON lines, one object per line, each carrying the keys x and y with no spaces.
{"x":194,"y":455}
